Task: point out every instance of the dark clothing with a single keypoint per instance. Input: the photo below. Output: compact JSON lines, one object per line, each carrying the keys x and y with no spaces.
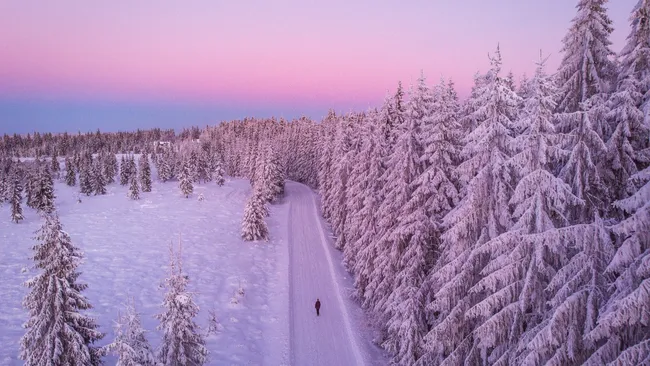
{"x":317,"y":307}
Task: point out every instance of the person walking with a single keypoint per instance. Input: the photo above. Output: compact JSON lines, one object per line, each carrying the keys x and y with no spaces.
{"x":317,"y":307}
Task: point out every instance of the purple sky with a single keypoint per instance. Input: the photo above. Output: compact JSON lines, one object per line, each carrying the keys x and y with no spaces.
{"x":73,"y":64}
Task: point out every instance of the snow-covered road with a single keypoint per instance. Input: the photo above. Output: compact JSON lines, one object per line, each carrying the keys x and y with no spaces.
{"x":331,"y":338}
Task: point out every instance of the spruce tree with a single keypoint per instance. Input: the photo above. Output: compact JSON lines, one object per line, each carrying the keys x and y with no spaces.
{"x":58,"y":333}
{"x":621,"y":335}
{"x":182,"y":343}
{"x":55,"y":166}
{"x":85,"y":179}
{"x":253,"y":225}
{"x":130,"y":344}
{"x":483,"y":214}
{"x":16,"y":199}
{"x":134,"y":191}
{"x":219,"y":174}
{"x":204,"y":167}
{"x":109,"y":164}
{"x":586,"y":69}
{"x":185,"y":181}
{"x":70,"y":175}
{"x":97,"y":178}
{"x":132,"y":169}
{"x":145,"y":173}
{"x":44,"y":191}
{"x":124,"y":171}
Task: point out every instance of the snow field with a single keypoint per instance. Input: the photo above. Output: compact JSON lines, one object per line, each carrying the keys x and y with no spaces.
{"x":126,"y":250}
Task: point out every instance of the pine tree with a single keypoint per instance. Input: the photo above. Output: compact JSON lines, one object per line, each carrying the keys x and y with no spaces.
{"x":97,"y":179}
{"x":253,"y":225}
{"x":16,"y":199}
{"x":586,"y":69}
{"x":185,"y":181}
{"x":130,"y":344}
{"x":70,"y":175}
{"x":57,"y":332}
{"x":134,"y":191}
{"x":182,"y":342}
{"x":145,"y":173}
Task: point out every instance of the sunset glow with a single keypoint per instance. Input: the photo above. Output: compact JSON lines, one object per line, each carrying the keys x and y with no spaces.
{"x":263,"y":56}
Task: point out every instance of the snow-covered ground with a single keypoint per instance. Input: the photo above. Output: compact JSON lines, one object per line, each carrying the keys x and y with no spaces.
{"x":126,"y":246}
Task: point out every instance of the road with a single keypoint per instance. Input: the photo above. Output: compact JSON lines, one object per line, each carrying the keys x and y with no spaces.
{"x":328,"y":339}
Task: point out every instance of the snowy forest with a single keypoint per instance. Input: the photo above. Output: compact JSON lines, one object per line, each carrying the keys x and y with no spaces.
{"x":509,"y":228}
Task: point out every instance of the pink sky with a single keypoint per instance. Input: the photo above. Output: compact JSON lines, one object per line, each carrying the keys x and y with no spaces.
{"x":342,"y":54}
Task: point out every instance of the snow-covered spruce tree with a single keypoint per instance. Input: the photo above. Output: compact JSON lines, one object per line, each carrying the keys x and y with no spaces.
{"x":97,"y":178}
{"x":55,"y":167}
{"x":193,"y":165}
{"x":326,"y":160}
{"x":58,"y":333}
{"x":218,"y":173}
{"x":132,"y":168}
{"x":85,"y":179}
{"x":342,"y":166}
{"x":44,"y":191}
{"x":185,"y":181}
{"x":183,"y":342}
{"x":358,"y":187}
{"x":134,"y":190}
{"x":483,"y":214}
{"x":253,"y":225}
{"x":468,"y":117}
{"x":509,"y":298}
{"x":5,"y":186}
{"x":626,"y":108}
{"x":622,"y":333}
{"x":110,"y":167}
{"x":366,"y":246}
{"x":635,"y":56}
{"x":70,"y":174}
{"x":130,"y":344}
{"x":586,"y":69}
{"x":166,"y":162}
{"x":124,"y":171}
{"x":16,"y":198}
{"x":30,"y":187}
{"x":268,"y":174}
{"x":581,"y":172}
{"x":145,"y":173}
{"x":408,"y":250}
{"x":204,"y":170}
{"x":576,"y":293}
